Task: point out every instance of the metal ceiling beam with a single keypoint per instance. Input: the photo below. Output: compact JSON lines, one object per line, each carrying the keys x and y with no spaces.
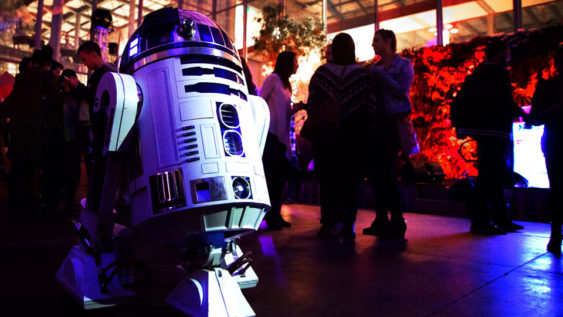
{"x":469,"y":27}
{"x":332,"y":8}
{"x":367,"y":19}
{"x":361,"y":6}
{"x":555,"y":12}
{"x":532,"y":16}
{"x":485,"y":6}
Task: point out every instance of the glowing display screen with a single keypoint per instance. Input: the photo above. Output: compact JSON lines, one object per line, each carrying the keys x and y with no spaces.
{"x":529,"y":160}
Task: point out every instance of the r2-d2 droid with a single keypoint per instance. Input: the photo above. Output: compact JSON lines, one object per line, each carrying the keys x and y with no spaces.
{"x":192,"y":136}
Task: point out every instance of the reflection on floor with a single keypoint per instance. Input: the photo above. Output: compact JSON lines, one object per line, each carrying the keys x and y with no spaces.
{"x":440,"y":270}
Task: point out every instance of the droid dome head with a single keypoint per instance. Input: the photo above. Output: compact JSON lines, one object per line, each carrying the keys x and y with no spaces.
{"x":173,"y":32}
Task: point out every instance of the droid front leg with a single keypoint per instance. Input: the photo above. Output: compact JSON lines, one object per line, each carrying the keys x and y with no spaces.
{"x":215,"y":288}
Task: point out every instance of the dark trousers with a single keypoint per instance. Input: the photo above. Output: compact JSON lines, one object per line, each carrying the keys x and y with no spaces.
{"x":493,"y":174}
{"x":276,"y":168}
{"x":20,"y":187}
{"x":336,"y":167}
{"x":382,"y":176}
{"x":71,"y":158}
{"x":553,"y":161}
{"x":51,"y":177}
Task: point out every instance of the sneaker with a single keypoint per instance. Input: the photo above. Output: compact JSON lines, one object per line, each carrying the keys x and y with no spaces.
{"x":276,"y":222}
{"x":487,"y":229}
{"x":348,"y":232}
{"x":273,"y":225}
{"x":394,"y":231}
{"x":328,"y":232}
{"x":554,"y":248}
{"x":511,"y":226}
{"x":377,"y":227}
{"x":284,"y":223}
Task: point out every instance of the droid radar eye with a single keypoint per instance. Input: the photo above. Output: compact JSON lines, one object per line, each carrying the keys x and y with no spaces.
{"x":233,"y":143}
{"x":241,"y":187}
{"x":229,"y":116}
{"x":186,"y":29}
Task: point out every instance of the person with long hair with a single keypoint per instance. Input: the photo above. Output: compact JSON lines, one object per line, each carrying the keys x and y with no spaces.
{"x":335,"y":155}
{"x":276,"y":90}
{"x":392,"y":76}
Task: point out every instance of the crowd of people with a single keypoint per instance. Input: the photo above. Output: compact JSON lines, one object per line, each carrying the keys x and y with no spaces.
{"x":53,"y":126}
{"x":373,"y":102}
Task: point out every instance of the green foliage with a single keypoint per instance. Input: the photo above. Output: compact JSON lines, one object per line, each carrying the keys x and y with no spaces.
{"x":280,"y":33}
{"x":440,"y":72}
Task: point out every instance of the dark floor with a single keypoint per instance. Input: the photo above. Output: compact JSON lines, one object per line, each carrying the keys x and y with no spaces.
{"x":440,"y":270}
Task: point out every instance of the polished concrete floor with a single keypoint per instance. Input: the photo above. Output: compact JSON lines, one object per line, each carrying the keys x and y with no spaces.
{"x":439,"y":270}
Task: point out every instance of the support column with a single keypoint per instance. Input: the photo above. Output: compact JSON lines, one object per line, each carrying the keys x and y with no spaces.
{"x":180,"y":4}
{"x":323,"y":16}
{"x":38,"y":24}
{"x":517,"y":14}
{"x":245,"y":26}
{"x":77,"y":29}
{"x":376,"y":15}
{"x":214,"y":10}
{"x":131,"y":26}
{"x":56,"y":23}
{"x":140,"y":13}
{"x":94,"y":7}
{"x":490,"y":24}
{"x":439,"y":23}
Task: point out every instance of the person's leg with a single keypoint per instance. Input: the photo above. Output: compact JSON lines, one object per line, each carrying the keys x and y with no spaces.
{"x":274,"y":167}
{"x":350,"y":176}
{"x":500,"y":172}
{"x":383,"y":183}
{"x":330,"y":184}
{"x":488,"y":185}
{"x":553,"y":156}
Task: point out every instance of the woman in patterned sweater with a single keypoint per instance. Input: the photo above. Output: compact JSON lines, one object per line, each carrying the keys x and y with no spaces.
{"x":336,"y":154}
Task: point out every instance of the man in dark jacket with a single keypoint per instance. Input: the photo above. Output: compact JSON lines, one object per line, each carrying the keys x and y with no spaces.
{"x":492,"y":94}
{"x":90,"y":55}
{"x":77,"y":141}
{"x":35,"y":111}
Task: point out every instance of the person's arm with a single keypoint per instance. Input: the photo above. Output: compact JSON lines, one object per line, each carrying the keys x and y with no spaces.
{"x":398,"y":86}
{"x":315,"y":94}
{"x":540,"y":102}
{"x":267,"y":88}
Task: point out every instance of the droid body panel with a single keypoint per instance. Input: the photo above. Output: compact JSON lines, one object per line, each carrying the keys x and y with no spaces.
{"x":199,"y":157}
{"x":192,"y":136}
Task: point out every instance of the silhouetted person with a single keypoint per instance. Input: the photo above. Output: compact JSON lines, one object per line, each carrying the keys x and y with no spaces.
{"x":76,"y":133}
{"x":328,"y":53}
{"x":90,"y":55}
{"x":337,"y":151}
{"x":392,"y":77}
{"x":56,"y":68}
{"x":35,"y":110}
{"x":276,"y":90}
{"x":492,"y":91}
{"x":24,"y":64}
{"x":547,"y":108}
